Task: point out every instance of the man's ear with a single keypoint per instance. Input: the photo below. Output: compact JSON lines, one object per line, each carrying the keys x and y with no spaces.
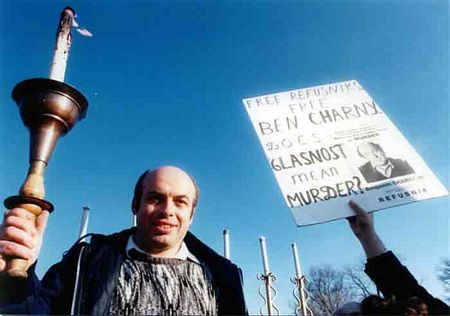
{"x":134,"y":205}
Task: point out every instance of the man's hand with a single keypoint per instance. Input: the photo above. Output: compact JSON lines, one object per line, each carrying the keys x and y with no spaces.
{"x":21,"y":236}
{"x":362,"y":223}
{"x":363,"y":228}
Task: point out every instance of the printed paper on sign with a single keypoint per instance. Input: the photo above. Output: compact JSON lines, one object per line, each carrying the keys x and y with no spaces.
{"x":332,"y":143}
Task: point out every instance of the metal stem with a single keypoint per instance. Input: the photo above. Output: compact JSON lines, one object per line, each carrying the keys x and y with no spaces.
{"x":269,"y":296}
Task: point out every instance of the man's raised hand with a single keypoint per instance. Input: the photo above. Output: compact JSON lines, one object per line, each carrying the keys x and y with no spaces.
{"x":362,"y":226}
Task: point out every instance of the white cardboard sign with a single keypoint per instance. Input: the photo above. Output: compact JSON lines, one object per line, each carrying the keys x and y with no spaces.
{"x":332,"y":143}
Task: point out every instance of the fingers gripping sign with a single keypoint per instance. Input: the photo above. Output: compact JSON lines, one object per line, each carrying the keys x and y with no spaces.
{"x":21,"y":235}
{"x":362,"y":223}
{"x":362,"y":226}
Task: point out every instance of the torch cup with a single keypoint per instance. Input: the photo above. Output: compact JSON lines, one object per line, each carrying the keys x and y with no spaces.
{"x":49,"y":109}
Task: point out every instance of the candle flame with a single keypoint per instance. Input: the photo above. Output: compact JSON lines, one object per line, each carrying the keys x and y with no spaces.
{"x":84,"y":32}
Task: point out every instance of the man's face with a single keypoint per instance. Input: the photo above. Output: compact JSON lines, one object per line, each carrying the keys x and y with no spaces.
{"x":165,"y":211}
{"x":376,"y":156}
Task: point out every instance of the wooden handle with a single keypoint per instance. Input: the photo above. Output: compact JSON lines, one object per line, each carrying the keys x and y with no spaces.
{"x":32,"y":187}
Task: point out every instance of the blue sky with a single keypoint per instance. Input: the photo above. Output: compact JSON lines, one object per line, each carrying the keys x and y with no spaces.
{"x":165,"y":80}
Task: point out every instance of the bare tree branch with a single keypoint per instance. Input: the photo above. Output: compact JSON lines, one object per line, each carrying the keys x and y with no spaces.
{"x":328,"y":290}
{"x":358,"y":279}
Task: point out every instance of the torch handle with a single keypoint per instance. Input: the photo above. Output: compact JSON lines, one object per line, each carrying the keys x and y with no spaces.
{"x":29,"y":198}
{"x":17,"y":267}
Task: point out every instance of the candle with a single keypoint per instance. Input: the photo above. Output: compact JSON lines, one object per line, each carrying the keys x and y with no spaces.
{"x":84,"y":221}
{"x":226,"y":244}
{"x":62,"y":46}
{"x":298,"y":270}
{"x":262,"y":241}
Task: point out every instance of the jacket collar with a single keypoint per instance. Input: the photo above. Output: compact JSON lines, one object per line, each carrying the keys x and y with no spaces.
{"x":182,"y":254}
{"x":201,"y":251}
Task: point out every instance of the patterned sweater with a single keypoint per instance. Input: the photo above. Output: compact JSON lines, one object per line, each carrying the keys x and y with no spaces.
{"x":163,"y":286}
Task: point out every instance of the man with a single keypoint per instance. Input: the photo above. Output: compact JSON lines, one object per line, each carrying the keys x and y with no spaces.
{"x":379,"y":166}
{"x":156,"y":268}
{"x":392,"y":278}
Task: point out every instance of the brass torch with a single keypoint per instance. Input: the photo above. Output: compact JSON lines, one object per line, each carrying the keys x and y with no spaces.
{"x":49,"y":108}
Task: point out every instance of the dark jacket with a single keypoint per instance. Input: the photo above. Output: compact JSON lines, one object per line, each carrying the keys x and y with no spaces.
{"x":401,"y":168}
{"x":394,"y":280}
{"x":100,"y":262}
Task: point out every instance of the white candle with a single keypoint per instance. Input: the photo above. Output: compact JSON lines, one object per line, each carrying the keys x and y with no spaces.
{"x":226,"y":244}
{"x":262,"y":241}
{"x":84,"y":221}
{"x":298,"y":270}
{"x":62,"y":46}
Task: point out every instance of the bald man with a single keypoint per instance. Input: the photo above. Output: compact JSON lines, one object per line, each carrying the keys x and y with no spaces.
{"x":156,"y":268}
{"x":379,"y":166}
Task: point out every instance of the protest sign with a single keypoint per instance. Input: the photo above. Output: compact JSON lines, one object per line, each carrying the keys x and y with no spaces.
{"x":332,"y":143}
